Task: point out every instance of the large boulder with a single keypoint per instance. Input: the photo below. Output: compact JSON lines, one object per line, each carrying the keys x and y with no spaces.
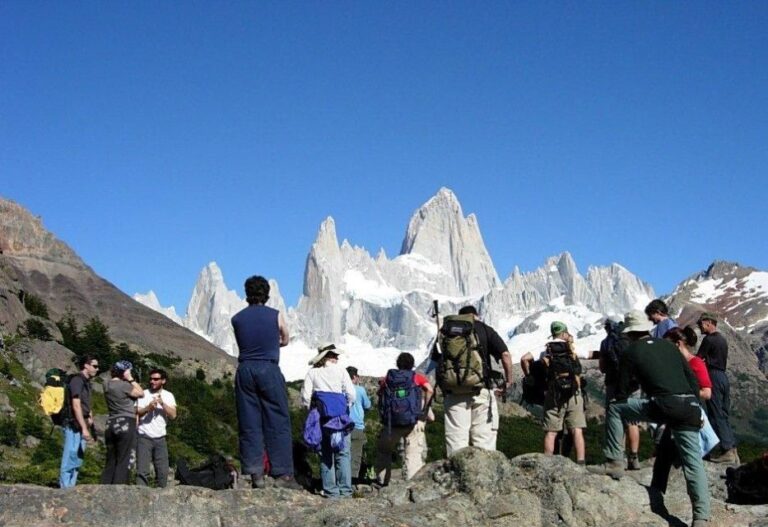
{"x":37,"y":357}
{"x":473,"y":488}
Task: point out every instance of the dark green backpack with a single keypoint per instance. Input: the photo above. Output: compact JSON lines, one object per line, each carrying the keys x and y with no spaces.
{"x":461,"y":367}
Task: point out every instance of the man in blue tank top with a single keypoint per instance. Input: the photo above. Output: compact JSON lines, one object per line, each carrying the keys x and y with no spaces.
{"x":264,"y":422}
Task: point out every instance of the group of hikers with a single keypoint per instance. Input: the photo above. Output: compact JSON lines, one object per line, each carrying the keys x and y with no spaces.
{"x":651,"y":375}
{"x":136,"y":422}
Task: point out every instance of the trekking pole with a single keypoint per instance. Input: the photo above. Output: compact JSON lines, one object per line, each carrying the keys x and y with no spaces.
{"x":436,"y":346}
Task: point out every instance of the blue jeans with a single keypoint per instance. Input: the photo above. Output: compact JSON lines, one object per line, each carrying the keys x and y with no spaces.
{"x":264,"y":421}
{"x":719,"y":407}
{"x":71,"y":458}
{"x":335,"y":468}
{"x":687,"y":442}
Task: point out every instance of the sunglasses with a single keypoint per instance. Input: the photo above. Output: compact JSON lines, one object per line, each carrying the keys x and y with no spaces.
{"x":155,"y":378}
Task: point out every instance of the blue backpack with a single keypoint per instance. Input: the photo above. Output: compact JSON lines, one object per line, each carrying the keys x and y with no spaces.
{"x":400,"y":399}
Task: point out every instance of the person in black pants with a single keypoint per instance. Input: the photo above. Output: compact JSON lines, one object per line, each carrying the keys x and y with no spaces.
{"x":121,"y":393}
{"x":714,"y":352}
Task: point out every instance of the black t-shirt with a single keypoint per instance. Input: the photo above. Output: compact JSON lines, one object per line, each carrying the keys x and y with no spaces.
{"x":714,"y":351}
{"x":80,"y":388}
{"x":492,"y":343}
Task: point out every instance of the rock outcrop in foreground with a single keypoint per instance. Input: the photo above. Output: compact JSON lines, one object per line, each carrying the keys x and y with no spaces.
{"x":474,"y":488}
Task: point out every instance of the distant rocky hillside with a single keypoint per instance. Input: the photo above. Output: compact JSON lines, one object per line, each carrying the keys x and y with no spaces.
{"x":33,"y":260}
{"x":739,"y":294}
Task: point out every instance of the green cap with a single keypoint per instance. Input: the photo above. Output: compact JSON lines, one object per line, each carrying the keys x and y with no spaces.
{"x":557,"y":327}
{"x":708,"y":316}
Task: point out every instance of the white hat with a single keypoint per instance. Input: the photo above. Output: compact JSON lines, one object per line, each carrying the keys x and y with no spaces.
{"x":637,"y":321}
{"x":324,"y":350}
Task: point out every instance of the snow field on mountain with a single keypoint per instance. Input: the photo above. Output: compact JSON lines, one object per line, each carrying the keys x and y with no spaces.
{"x":369,"y":361}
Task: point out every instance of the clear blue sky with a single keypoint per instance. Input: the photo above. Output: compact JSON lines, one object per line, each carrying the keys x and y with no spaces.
{"x":154,"y":137}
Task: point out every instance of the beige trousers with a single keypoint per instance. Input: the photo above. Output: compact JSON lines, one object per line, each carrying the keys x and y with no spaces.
{"x":471,"y":420}
{"x":415,"y":447}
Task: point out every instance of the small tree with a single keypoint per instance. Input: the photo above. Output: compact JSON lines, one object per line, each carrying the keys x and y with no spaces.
{"x":70,"y":333}
{"x":34,"y":304}
{"x":36,"y":329}
{"x":95,"y":340}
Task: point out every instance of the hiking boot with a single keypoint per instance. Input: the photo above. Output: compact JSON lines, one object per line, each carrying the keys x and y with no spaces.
{"x":287,"y":482}
{"x":729,"y":457}
{"x":612,"y":467}
{"x":700,"y":523}
{"x":258,"y":482}
{"x":633,"y":463}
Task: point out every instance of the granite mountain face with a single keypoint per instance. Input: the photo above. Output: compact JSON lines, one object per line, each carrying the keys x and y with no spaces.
{"x":352,"y":297}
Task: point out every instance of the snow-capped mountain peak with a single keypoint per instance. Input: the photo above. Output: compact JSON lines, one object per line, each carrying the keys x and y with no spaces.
{"x":376,"y":307}
{"x":439,"y":231}
{"x":739,"y":294}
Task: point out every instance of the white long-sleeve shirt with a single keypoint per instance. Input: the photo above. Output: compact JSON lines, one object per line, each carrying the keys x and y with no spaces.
{"x":330,"y":378}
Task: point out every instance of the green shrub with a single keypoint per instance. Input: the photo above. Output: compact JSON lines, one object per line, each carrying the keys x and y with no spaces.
{"x":31,"y":423}
{"x":9,"y":432}
{"x":34,"y":304}
{"x":36,"y":329}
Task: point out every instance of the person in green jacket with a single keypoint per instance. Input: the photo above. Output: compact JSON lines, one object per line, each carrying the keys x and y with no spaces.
{"x":672,"y":391}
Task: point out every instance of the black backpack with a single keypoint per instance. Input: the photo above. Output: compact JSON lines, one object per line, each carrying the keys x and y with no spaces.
{"x":216,"y":473}
{"x":748,"y":484}
{"x":535,"y":384}
{"x":563,"y":371}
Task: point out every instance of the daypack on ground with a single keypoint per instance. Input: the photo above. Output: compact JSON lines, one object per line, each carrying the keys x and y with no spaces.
{"x":460,"y":368}
{"x":563,"y":371}
{"x":748,"y":484}
{"x":53,"y":399}
{"x":535,"y":384}
{"x":214,"y":474}
{"x":400,"y":399}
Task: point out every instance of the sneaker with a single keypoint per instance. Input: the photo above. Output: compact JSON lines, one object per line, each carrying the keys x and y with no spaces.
{"x":728,"y":457}
{"x":287,"y":482}
{"x":633,"y":463}
{"x":258,"y":482}
{"x":612,"y":467}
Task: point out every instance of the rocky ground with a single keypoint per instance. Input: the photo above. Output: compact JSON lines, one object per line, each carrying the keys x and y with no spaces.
{"x":474,"y":488}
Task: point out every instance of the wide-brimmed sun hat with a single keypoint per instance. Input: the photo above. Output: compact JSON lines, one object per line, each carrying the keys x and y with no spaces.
{"x":637,"y":322}
{"x":324,"y":350}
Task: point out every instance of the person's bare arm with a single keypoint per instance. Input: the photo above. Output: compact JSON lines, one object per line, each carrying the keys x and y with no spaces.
{"x":506,"y":363}
{"x":284,"y":337}
{"x":705,"y":394}
{"x":525,"y":363}
{"x":77,"y":409}
{"x":170,"y":411}
{"x":136,"y":390}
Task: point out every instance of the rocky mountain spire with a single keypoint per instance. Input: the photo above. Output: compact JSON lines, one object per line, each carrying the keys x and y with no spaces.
{"x":211,"y":308}
{"x":439,"y":231}
{"x":321,"y":301}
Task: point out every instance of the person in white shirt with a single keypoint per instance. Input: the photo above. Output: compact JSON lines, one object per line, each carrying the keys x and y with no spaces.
{"x":155,"y":408}
{"x":329,"y":387}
